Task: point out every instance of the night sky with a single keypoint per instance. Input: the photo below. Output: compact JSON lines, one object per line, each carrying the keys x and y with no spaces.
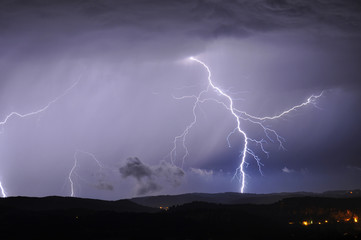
{"x":111,"y":78}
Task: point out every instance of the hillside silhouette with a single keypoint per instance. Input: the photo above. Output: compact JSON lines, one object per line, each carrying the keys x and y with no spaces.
{"x":327,"y":216}
{"x":236,"y":198}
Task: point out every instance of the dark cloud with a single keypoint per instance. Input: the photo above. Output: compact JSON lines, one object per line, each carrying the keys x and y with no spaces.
{"x":211,"y":18}
{"x":151,"y":179}
{"x":130,"y":59}
{"x":171,"y":173}
{"x":135,"y":168}
{"x":148,"y":187}
{"x":105,"y":186}
{"x":74,"y":23}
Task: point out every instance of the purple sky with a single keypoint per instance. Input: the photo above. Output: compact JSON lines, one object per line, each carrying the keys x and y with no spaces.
{"x":129,"y":59}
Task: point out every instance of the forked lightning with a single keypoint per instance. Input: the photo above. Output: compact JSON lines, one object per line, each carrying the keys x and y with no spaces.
{"x":227,"y":101}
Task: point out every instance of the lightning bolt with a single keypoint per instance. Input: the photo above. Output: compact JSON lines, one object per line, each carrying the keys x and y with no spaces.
{"x":73,"y":169}
{"x":29,"y":114}
{"x":3,"y":193}
{"x":227,"y":102}
{"x":44,"y":108}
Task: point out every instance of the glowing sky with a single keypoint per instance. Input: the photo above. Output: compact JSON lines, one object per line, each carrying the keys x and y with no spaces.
{"x":129,"y":62}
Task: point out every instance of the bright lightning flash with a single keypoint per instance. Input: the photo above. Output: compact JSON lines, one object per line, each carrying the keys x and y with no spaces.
{"x":3,"y":193}
{"x":73,"y":169}
{"x":29,"y":114}
{"x":227,"y":101}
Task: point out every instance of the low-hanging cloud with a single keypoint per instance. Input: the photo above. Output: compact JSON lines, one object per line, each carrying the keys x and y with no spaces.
{"x":202,"y":172}
{"x":287,"y":170}
{"x":151,"y":179}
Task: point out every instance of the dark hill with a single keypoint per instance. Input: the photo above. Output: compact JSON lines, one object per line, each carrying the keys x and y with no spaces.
{"x":223,"y":198}
{"x":76,"y":218}
{"x":234,"y":198}
{"x":66,"y":203}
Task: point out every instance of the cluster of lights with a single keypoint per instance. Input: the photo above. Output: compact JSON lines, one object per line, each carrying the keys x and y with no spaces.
{"x":353,"y":219}
{"x":164,"y":208}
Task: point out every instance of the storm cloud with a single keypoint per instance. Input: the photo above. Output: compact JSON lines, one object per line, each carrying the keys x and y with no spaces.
{"x":130,"y":61}
{"x":150,"y":178}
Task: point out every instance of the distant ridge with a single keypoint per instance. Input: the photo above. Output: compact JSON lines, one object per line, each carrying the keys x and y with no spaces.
{"x":54,"y":203}
{"x":153,"y":203}
{"x":235,"y":198}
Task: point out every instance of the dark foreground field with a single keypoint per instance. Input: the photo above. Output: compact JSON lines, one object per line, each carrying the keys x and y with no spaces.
{"x":302,"y":217}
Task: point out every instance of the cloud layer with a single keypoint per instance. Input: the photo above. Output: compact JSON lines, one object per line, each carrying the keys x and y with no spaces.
{"x":130,"y":60}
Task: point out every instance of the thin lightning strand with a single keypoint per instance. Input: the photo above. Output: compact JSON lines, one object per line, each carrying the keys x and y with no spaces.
{"x":310,"y":100}
{"x":238,"y":115}
{"x":41,"y":109}
{"x":44,"y":108}
{"x":3,"y":193}
{"x":70,"y":175}
{"x":73,"y":169}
